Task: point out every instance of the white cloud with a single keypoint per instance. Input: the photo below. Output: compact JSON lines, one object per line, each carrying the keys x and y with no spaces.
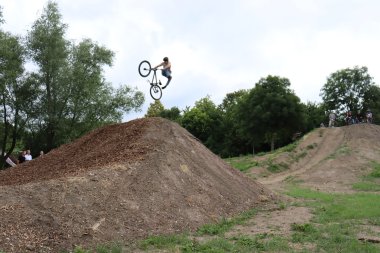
{"x":217,"y":47}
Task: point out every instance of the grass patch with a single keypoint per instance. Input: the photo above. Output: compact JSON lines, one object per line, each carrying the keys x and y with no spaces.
{"x":225,"y":224}
{"x":366,"y":186}
{"x":342,"y":151}
{"x":375,"y":172}
{"x":311,"y":146}
{"x":165,"y":242}
{"x":242,"y":163}
{"x":340,"y":207}
{"x":288,"y":148}
{"x":371,"y":181}
{"x":277,"y":167}
{"x":112,"y":248}
{"x":337,"y":220}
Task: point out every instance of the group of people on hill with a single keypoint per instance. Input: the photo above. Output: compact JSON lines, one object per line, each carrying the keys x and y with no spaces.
{"x":355,"y":119}
{"x":24,"y":156}
{"x":352,"y":119}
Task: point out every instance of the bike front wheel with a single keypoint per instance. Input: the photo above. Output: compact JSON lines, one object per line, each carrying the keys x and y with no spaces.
{"x":155,"y":92}
{"x":144,"y":68}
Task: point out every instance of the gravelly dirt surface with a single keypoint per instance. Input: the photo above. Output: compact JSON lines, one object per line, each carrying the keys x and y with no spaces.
{"x":120,"y":183}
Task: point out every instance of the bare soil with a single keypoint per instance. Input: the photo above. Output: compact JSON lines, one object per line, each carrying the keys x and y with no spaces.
{"x":117,"y":184}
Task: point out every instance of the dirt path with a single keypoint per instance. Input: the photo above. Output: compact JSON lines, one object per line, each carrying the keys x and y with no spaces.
{"x":327,"y":144}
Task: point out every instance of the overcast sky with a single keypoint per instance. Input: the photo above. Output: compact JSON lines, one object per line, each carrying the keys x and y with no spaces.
{"x":218,"y":46}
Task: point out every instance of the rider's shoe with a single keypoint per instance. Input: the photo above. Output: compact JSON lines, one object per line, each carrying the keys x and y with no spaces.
{"x":169,"y":79}
{"x":159,"y":82}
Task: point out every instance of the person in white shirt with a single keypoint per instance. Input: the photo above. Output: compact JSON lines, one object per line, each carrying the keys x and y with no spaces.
{"x":28,"y":156}
{"x":332,"y":118}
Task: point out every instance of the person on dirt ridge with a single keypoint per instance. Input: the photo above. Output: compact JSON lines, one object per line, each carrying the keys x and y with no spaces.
{"x":369,"y":116}
{"x":28,"y":156}
{"x":166,"y":70}
{"x":21,"y":157}
{"x":332,"y":118}
{"x":349,"y":118}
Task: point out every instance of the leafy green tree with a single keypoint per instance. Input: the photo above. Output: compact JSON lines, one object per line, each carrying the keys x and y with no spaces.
{"x":233,"y":142}
{"x":173,"y":114}
{"x":345,"y":90}
{"x":315,"y":115}
{"x":15,"y":93}
{"x":49,"y":50}
{"x":372,"y":103}
{"x":271,"y":112}
{"x":203,"y":121}
{"x":73,"y":96}
{"x":154,"y":109}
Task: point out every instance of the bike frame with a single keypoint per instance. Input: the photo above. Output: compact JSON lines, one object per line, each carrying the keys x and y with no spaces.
{"x":155,"y":80}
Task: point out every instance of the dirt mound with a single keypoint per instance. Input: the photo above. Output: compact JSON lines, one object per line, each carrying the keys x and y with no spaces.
{"x":119,"y":183}
{"x":329,"y":159}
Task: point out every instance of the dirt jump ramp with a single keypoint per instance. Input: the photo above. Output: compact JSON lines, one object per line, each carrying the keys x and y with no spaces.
{"x":334,"y":158}
{"x":120,"y":183}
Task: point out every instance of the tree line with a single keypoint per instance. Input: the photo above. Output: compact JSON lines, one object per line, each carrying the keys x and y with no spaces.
{"x":270,"y":114}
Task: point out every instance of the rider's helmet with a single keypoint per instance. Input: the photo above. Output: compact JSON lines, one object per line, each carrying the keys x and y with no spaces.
{"x":166,"y":59}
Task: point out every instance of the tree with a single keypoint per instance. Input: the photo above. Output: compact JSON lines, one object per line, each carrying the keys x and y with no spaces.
{"x":233,"y":142}
{"x":204,"y":121}
{"x":73,"y":95}
{"x":345,"y":90}
{"x":15,"y":93}
{"x":315,"y":115}
{"x":173,"y":114}
{"x":154,"y":109}
{"x":271,"y":112}
{"x":372,"y":102}
{"x":49,"y":50}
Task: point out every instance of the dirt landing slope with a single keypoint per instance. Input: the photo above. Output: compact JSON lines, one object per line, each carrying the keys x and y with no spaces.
{"x":329,"y":159}
{"x":119,"y":183}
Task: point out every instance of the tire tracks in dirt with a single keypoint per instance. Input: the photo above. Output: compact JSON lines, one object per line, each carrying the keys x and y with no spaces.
{"x":330,"y":141}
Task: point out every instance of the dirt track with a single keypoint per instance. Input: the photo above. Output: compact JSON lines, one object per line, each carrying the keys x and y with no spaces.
{"x":329,"y":159}
{"x":120,"y":183}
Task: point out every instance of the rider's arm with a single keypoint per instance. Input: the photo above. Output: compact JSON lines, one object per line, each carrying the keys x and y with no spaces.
{"x":159,"y":65}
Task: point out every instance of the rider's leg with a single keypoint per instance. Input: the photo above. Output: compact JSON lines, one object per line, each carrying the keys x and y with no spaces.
{"x":167,"y":74}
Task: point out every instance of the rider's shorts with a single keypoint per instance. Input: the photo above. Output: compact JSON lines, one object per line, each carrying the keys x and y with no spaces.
{"x":166,"y":73}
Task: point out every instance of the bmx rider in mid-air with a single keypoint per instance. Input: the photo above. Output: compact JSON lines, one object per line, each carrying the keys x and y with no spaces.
{"x":166,"y":70}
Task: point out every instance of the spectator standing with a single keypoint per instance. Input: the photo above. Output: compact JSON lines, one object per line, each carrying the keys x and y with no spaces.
{"x":21,"y":157}
{"x":369,"y":116}
{"x":332,"y":118}
{"x":28,"y":156}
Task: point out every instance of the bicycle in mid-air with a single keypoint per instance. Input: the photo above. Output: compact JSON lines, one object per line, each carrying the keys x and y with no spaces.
{"x":155,"y":85}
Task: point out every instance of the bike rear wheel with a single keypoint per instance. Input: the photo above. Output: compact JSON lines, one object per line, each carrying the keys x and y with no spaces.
{"x":144,"y":68}
{"x":155,"y":92}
